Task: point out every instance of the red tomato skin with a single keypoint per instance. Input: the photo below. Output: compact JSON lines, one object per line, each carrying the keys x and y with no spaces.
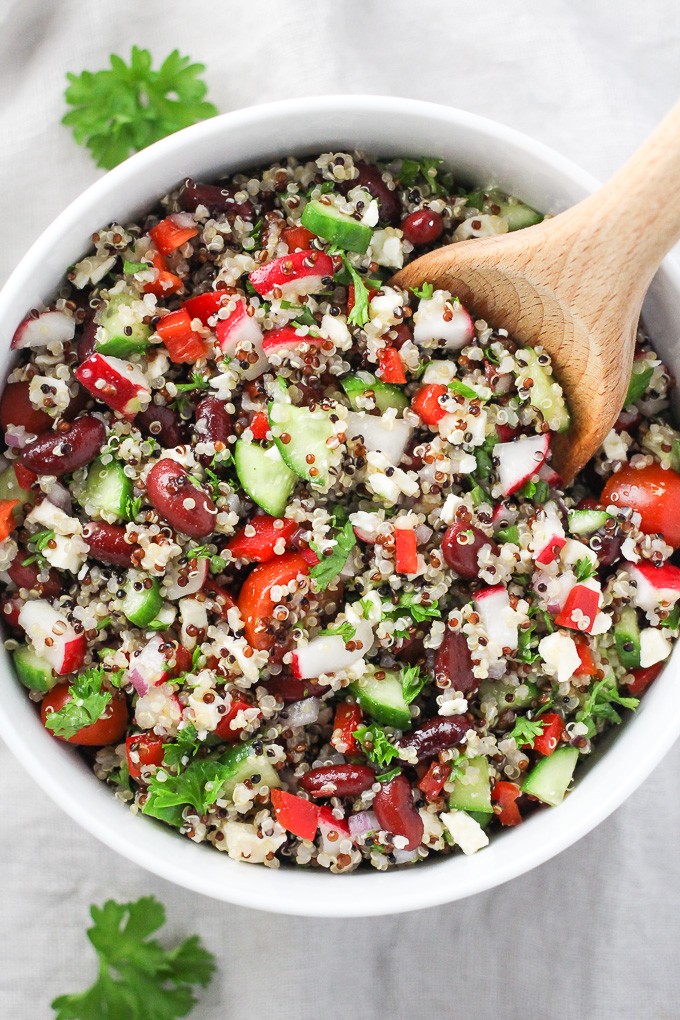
{"x":426,"y":403}
{"x":295,"y":814}
{"x":148,"y":748}
{"x":643,"y":678}
{"x":654,"y":492}
{"x":255,"y":602}
{"x":549,"y":739}
{"x":224,"y":729}
{"x":506,"y":794}
{"x":108,"y":730}
{"x":348,"y":718}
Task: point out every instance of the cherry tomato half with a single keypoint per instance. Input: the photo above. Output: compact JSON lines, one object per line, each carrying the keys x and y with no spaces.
{"x":654,"y":492}
{"x":106,"y":730}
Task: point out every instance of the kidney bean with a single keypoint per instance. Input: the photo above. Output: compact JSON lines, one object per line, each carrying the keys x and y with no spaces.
{"x":80,"y":402}
{"x":453,"y":662}
{"x":610,"y":549}
{"x":27,"y":577}
{"x":338,"y":780}
{"x":10,"y":607}
{"x":410,"y":649}
{"x":396,"y":812}
{"x":370,"y":178}
{"x":216,"y":199}
{"x":108,"y":543}
{"x":460,"y":553}
{"x":289,"y":688}
{"x":62,"y":451}
{"x":86,"y":340}
{"x":162,"y":424}
{"x":170,"y":490}
{"x":16,"y":409}
{"x":214,"y":424}
{"x":424,"y":226}
{"x":435,"y":735}
{"x":403,"y":332}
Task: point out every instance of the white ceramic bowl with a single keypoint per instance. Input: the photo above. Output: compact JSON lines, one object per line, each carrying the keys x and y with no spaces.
{"x":480,"y":150}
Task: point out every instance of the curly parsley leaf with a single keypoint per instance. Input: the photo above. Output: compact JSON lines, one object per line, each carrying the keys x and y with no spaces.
{"x":419,"y":611}
{"x":584,"y":569}
{"x":672,"y":621}
{"x":133,"y":507}
{"x":428,"y":172}
{"x":526,"y":730}
{"x":85,"y":706}
{"x":198,"y":382}
{"x":376,"y":745}
{"x":602,"y":705}
{"x":359,"y":315}
{"x":344,"y":630}
{"x":184,"y":747}
{"x":328,"y":567}
{"x":138,"y":979}
{"x":425,"y":292}
{"x":126,"y":107}
{"x":412,"y":683}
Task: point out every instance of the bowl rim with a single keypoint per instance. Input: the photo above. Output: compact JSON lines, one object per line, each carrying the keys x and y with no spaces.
{"x":297,"y":891}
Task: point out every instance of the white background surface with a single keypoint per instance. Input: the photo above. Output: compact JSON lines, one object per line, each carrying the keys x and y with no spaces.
{"x":592,"y":934}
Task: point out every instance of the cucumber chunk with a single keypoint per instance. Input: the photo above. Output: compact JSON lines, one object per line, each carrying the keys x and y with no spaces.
{"x":506,"y":695}
{"x":515,"y":212}
{"x":337,"y":227}
{"x":627,"y":638}
{"x":586,"y":522}
{"x":10,"y":489}
{"x":165,"y":619}
{"x":386,"y":395}
{"x":639,"y":381}
{"x":306,"y":435}
{"x":123,"y":335}
{"x":143,"y":600}
{"x":542,"y":393}
{"x":472,"y":791}
{"x":107,"y":488}
{"x":246,"y":764}
{"x":383,"y":698}
{"x":548,"y":781}
{"x":35,"y":673}
{"x":264,"y":476}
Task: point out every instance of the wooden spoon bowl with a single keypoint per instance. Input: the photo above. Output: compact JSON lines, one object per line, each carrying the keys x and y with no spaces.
{"x":575,"y":284}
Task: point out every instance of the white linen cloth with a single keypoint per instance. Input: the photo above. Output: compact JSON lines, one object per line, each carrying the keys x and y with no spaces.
{"x":592,"y":934}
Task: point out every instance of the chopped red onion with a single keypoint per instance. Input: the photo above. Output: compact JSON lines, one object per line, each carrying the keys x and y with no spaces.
{"x":361,"y":822}
{"x":303,"y":713}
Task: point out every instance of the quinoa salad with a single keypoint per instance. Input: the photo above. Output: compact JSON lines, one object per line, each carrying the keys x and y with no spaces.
{"x":283,"y":554}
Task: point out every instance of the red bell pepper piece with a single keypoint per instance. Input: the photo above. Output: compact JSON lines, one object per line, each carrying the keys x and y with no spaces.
{"x":166,"y":283}
{"x":426,"y":403}
{"x":582,"y":598}
{"x":390,"y":367}
{"x":203,"y":306}
{"x":260,"y":546}
{"x":25,"y":478}
{"x":182,"y":343}
{"x":297,"y":238}
{"x":406,"y":546}
{"x":7,"y":522}
{"x":348,"y":718}
{"x":643,"y":677}
{"x":506,"y":795}
{"x":259,"y":426}
{"x":224,"y":728}
{"x":255,"y":601}
{"x":587,"y":667}
{"x":168,"y":236}
{"x":295,"y":814}
{"x":433,"y":781}
{"x":553,"y":728}
{"x":143,"y":749}
{"x":225,"y":599}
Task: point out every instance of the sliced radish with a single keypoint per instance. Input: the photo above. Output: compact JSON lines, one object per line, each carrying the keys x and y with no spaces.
{"x":65,"y":651}
{"x":332,"y":830}
{"x":547,"y":534}
{"x":655,"y":585}
{"x":287,"y":340}
{"x":186,"y":579}
{"x":238,"y":329}
{"x":581,"y":607}
{"x":366,"y":525}
{"x":149,"y":666}
{"x":115,"y":382}
{"x":328,"y":652}
{"x":438,"y":318}
{"x":380,"y":434}
{"x":46,"y":328}
{"x":497,"y":617}
{"x":520,"y":460}
{"x":547,"y":474}
{"x":301,"y":272}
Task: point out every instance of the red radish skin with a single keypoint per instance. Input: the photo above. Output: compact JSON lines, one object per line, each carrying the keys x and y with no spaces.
{"x":48,"y":327}
{"x":114,"y":382}
{"x":301,"y":272}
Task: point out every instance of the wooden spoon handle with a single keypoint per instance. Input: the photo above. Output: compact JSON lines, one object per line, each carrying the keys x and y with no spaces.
{"x":634,"y":219}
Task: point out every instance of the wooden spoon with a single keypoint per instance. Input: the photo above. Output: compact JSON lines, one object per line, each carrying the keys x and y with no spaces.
{"x":575,"y":284}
